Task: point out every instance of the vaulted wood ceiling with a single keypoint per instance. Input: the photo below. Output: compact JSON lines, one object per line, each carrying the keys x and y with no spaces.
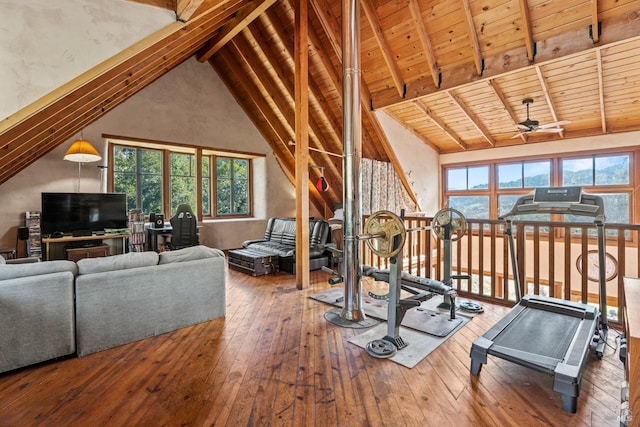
{"x":452,"y":72}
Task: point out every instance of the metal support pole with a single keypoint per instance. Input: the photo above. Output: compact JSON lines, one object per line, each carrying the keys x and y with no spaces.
{"x":352,"y":140}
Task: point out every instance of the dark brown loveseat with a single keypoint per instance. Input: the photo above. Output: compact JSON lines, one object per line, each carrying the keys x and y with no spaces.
{"x":280,"y":239}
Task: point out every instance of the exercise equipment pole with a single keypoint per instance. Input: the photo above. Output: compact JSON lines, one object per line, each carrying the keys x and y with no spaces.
{"x":352,"y":142}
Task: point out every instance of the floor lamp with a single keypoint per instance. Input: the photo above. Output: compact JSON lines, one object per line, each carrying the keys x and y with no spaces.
{"x":81,"y":151}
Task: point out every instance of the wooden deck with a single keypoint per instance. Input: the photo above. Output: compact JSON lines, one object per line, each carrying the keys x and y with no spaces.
{"x":274,"y":360}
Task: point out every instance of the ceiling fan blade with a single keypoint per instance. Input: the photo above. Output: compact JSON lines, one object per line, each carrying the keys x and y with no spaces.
{"x":523,"y":127}
{"x":551,"y":130}
{"x":554,"y":124}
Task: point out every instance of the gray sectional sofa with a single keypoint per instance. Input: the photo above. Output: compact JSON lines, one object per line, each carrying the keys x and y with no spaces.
{"x":57,"y":308}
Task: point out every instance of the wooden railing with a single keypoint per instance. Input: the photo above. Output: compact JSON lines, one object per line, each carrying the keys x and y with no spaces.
{"x":549,"y":256}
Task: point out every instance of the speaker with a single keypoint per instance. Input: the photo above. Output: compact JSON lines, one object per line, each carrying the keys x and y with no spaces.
{"x":23,"y":233}
{"x":159,"y":221}
{"x":152,"y":218}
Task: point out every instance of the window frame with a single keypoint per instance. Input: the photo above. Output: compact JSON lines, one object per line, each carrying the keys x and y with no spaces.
{"x":199,"y":153}
{"x":494,"y":192}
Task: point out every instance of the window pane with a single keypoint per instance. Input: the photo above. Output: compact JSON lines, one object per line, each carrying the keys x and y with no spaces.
{"x":126,"y":183}
{"x":510,"y":176}
{"x":240,"y":169}
{"x":206,"y":185}
{"x":612,"y":170}
{"x":457,"y":179}
{"x":506,"y":203}
{"x":223,"y":199}
{"x":577,"y":171}
{"x":478,"y":177}
{"x":616,"y":207}
{"x":240,"y":202}
{"x":124,"y":159}
{"x":182,"y":181}
{"x":476,"y":207}
{"x":537,"y":174}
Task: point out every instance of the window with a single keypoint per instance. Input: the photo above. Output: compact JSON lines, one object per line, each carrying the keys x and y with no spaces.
{"x":138,"y":173}
{"x":159,"y":177}
{"x":182,"y":180}
{"x":232,"y":184}
{"x":491,"y":189}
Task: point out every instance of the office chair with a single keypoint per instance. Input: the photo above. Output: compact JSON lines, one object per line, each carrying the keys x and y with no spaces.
{"x":184,"y":226}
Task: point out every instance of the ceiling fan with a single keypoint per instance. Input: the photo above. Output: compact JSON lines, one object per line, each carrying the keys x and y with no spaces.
{"x":530,"y":126}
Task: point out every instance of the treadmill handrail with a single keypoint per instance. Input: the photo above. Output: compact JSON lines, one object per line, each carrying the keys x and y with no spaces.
{"x":591,"y":205}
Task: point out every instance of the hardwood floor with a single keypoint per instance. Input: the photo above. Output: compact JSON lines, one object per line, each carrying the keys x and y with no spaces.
{"x":274,"y":360}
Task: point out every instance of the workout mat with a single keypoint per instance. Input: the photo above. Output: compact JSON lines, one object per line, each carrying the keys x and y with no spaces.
{"x":419,"y":344}
{"x":427,"y":318}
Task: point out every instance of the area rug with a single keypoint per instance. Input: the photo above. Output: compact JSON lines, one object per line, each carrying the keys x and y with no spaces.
{"x":423,"y":328}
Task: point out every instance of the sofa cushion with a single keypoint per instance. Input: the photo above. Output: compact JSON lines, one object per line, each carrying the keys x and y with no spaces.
{"x":117,"y":262}
{"x":189,"y":254}
{"x":2,"y":260}
{"x":14,"y":271}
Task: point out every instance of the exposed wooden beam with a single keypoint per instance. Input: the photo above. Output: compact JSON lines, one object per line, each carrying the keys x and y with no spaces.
{"x":595,"y":28}
{"x":545,"y":91}
{"x":186,"y":8}
{"x":246,"y":15}
{"x":603,"y":112}
{"x":473,"y":38}
{"x":526,"y":27}
{"x":383,"y":45}
{"x":503,"y":100}
{"x":486,"y":134}
{"x":441,"y":124}
{"x":301,"y":49}
{"x":418,"y":22}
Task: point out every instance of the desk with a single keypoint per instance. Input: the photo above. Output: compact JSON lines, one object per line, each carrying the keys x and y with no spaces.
{"x":154,"y":233}
{"x":51,"y":244}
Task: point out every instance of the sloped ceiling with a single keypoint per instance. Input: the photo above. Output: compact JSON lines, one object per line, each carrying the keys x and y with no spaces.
{"x":452,"y":72}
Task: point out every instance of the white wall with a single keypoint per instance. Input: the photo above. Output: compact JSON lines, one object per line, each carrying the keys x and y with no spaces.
{"x":629,"y":139}
{"x":44,"y":43}
{"x":419,"y":162}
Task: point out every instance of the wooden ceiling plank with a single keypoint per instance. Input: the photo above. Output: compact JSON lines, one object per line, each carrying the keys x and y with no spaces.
{"x":418,"y":22}
{"x":475,"y":121}
{"x":245,"y":16}
{"x":441,"y":124}
{"x":284,"y":101}
{"x":383,"y":45}
{"x":331,"y":143}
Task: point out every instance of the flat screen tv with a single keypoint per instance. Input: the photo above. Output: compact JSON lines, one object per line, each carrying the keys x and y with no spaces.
{"x":69,"y":212}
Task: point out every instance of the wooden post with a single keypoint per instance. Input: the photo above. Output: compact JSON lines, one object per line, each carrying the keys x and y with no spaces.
{"x":301,"y":52}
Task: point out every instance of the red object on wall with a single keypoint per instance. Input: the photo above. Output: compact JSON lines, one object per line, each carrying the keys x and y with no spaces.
{"x":321,"y":184}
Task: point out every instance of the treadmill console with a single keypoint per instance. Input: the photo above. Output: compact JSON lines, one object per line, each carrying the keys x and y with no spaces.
{"x":561,"y":200}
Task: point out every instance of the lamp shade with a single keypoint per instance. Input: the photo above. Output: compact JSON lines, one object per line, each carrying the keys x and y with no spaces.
{"x":82,"y":151}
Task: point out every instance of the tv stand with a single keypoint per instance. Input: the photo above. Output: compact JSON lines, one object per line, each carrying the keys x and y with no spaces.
{"x":55,"y":248}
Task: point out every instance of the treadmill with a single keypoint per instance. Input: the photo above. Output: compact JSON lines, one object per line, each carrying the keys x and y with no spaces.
{"x":547,"y":334}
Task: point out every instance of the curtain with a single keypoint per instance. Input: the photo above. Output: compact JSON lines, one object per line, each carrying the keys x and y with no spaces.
{"x":382,"y":189}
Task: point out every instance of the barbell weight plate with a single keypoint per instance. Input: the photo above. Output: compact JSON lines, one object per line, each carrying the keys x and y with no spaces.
{"x":472,"y":307}
{"x":383,"y":245}
{"x":381,"y":349}
{"x":454,"y":218}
